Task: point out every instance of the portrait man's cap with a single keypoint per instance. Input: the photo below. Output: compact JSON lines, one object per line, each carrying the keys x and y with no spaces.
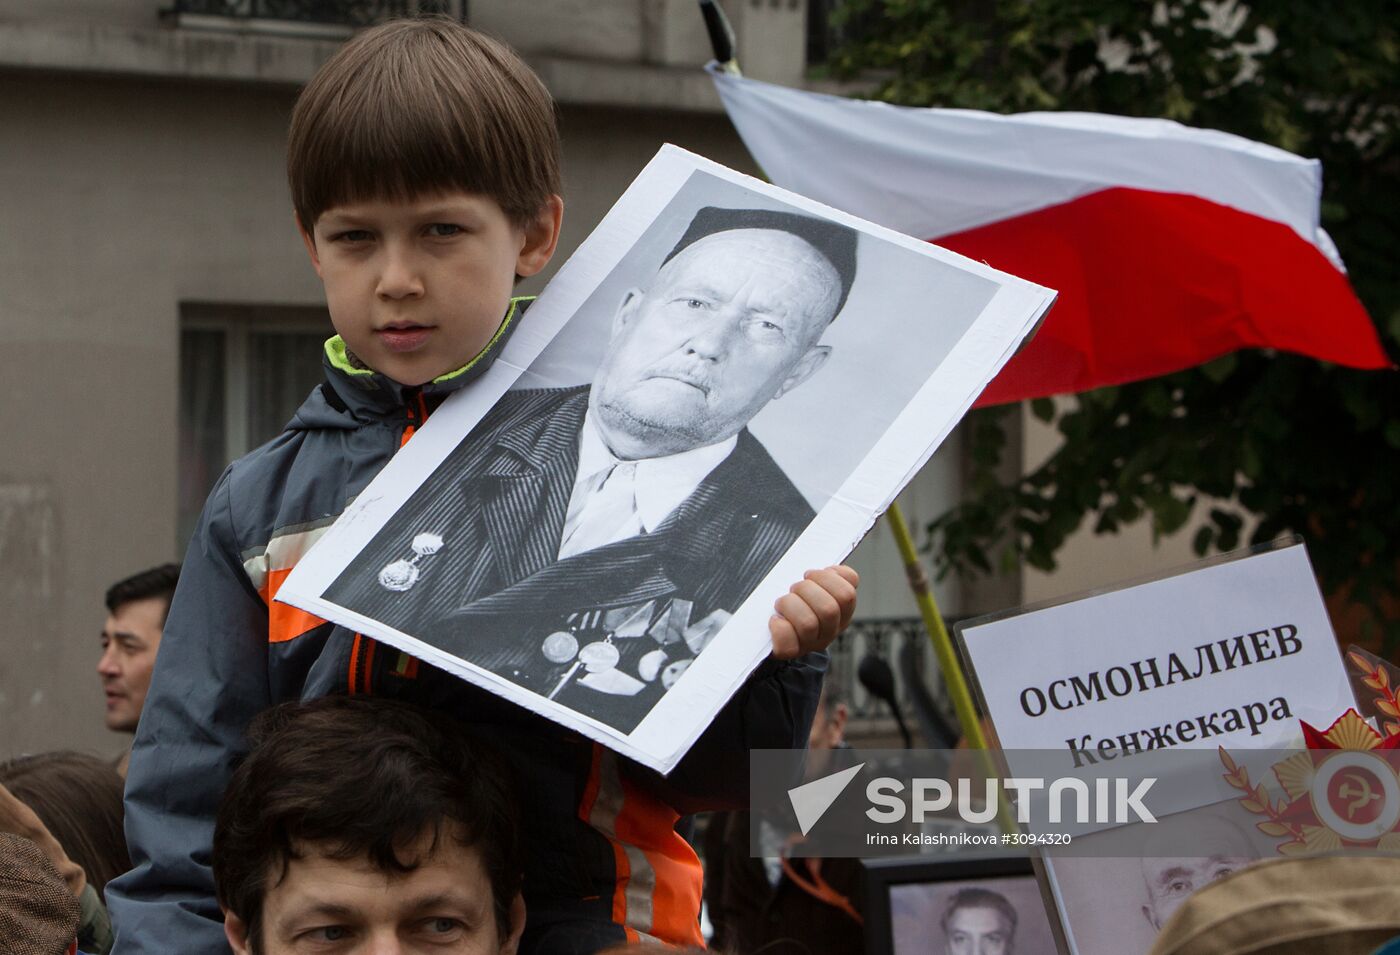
{"x":836,"y":243}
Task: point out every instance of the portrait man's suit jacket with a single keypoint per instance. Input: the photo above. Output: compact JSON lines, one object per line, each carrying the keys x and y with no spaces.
{"x":497,"y":588}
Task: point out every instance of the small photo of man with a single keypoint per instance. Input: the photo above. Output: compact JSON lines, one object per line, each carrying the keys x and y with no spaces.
{"x":979,"y":922}
{"x":992,"y":916}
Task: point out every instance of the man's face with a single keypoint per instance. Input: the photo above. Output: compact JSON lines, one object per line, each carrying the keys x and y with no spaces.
{"x":417,"y":288}
{"x":130,"y":638}
{"x":828,"y":725}
{"x":827,"y":732}
{"x":978,"y":931}
{"x":728,"y":325}
{"x":325,"y":906}
{"x":1171,"y":881}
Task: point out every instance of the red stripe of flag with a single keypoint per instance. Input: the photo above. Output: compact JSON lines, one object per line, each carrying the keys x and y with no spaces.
{"x":1152,"y":283}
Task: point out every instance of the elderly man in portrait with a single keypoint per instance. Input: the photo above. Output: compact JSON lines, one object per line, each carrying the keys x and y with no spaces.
{"x":1170,"y":878}
{"x":588,"y":542}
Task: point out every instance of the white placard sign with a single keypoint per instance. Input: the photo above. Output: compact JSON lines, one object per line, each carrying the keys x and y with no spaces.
{"x":723,"y":387}
{"x":1243,"y":644}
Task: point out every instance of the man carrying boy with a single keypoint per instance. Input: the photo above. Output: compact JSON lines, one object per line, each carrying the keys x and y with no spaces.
{"x":423,"y":160}
{"x":411,"y":844}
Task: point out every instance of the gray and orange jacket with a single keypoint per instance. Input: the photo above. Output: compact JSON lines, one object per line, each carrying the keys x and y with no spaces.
{"x":604,"y":863}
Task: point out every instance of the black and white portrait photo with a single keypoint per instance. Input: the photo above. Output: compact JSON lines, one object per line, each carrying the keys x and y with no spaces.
{"x":984,"y":917}
{"x":695,"y":387}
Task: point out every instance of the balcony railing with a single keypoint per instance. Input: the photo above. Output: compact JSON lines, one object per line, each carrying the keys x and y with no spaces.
{"x":888,"y":638}
{"x":304,"y":17}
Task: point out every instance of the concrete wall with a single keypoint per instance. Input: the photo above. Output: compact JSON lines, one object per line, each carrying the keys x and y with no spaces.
{"x":127,"y":13}
{"x":117,"y":202}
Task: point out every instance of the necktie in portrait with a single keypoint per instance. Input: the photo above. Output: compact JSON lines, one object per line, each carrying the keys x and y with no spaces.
{"x":606,"y":515}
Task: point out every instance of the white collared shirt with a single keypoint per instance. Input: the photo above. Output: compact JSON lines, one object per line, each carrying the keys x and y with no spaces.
{"x":661,"y":484}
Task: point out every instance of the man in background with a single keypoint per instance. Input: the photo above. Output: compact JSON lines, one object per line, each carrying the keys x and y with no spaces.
{"x":136,"y":610}
{"x":777,"y":905}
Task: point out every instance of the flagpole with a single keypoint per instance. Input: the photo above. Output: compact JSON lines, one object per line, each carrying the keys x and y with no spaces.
{"x":722,"y":42}
{"x":958,"y":690}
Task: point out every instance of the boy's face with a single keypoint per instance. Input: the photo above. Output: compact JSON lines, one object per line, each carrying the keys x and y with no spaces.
{"x":417,"y":288}
{"x":331,"y":906}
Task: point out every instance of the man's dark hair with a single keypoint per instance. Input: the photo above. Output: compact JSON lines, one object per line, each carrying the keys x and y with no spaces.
{"x":981,"y":899}
{"x":360,"y":777}
{"x":836,"y":243}
{"x":156,"y":582}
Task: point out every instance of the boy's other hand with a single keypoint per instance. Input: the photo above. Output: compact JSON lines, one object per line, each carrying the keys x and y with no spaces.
{"x":814,"y":611}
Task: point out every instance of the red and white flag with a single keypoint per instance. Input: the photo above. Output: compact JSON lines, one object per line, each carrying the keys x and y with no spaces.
{"x":1169,"y":246}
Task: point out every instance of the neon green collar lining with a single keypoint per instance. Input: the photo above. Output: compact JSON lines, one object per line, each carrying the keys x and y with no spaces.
{"x":339,"y":355}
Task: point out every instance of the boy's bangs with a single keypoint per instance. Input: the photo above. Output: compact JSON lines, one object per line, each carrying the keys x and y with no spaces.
{"x":398,"y":158}
{"x":421,"y":107}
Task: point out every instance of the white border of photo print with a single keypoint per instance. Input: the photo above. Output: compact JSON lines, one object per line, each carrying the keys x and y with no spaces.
{"x":921,"y":333}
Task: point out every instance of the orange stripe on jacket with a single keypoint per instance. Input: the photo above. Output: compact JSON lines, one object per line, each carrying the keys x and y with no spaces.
{"x":354,"y":658}
{"x":649,"y":824}
{"x":622,"y":867}
{"x":637,"y":824}
{"x":284,"y":622}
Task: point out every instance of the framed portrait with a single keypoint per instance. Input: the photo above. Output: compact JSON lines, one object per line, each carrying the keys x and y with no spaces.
{"x":721,"y":389}
{"x":927,"y":905}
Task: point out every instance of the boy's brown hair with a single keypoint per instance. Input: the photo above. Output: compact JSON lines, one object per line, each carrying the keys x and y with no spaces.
{"x":413,"y":107}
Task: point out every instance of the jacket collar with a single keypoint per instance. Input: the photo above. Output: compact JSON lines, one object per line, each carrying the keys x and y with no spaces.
{"x":368,"y":395}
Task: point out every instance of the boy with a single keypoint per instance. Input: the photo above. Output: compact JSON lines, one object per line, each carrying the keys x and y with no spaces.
{"x":412,"y":845}
{"x":423,"y":161}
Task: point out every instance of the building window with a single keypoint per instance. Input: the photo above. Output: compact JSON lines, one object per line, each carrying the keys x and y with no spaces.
{"x":328,"y":19}
{"x":244,"y":371}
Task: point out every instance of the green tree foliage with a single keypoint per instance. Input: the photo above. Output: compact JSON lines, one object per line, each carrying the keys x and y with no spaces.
{"x":1292,"y":443}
